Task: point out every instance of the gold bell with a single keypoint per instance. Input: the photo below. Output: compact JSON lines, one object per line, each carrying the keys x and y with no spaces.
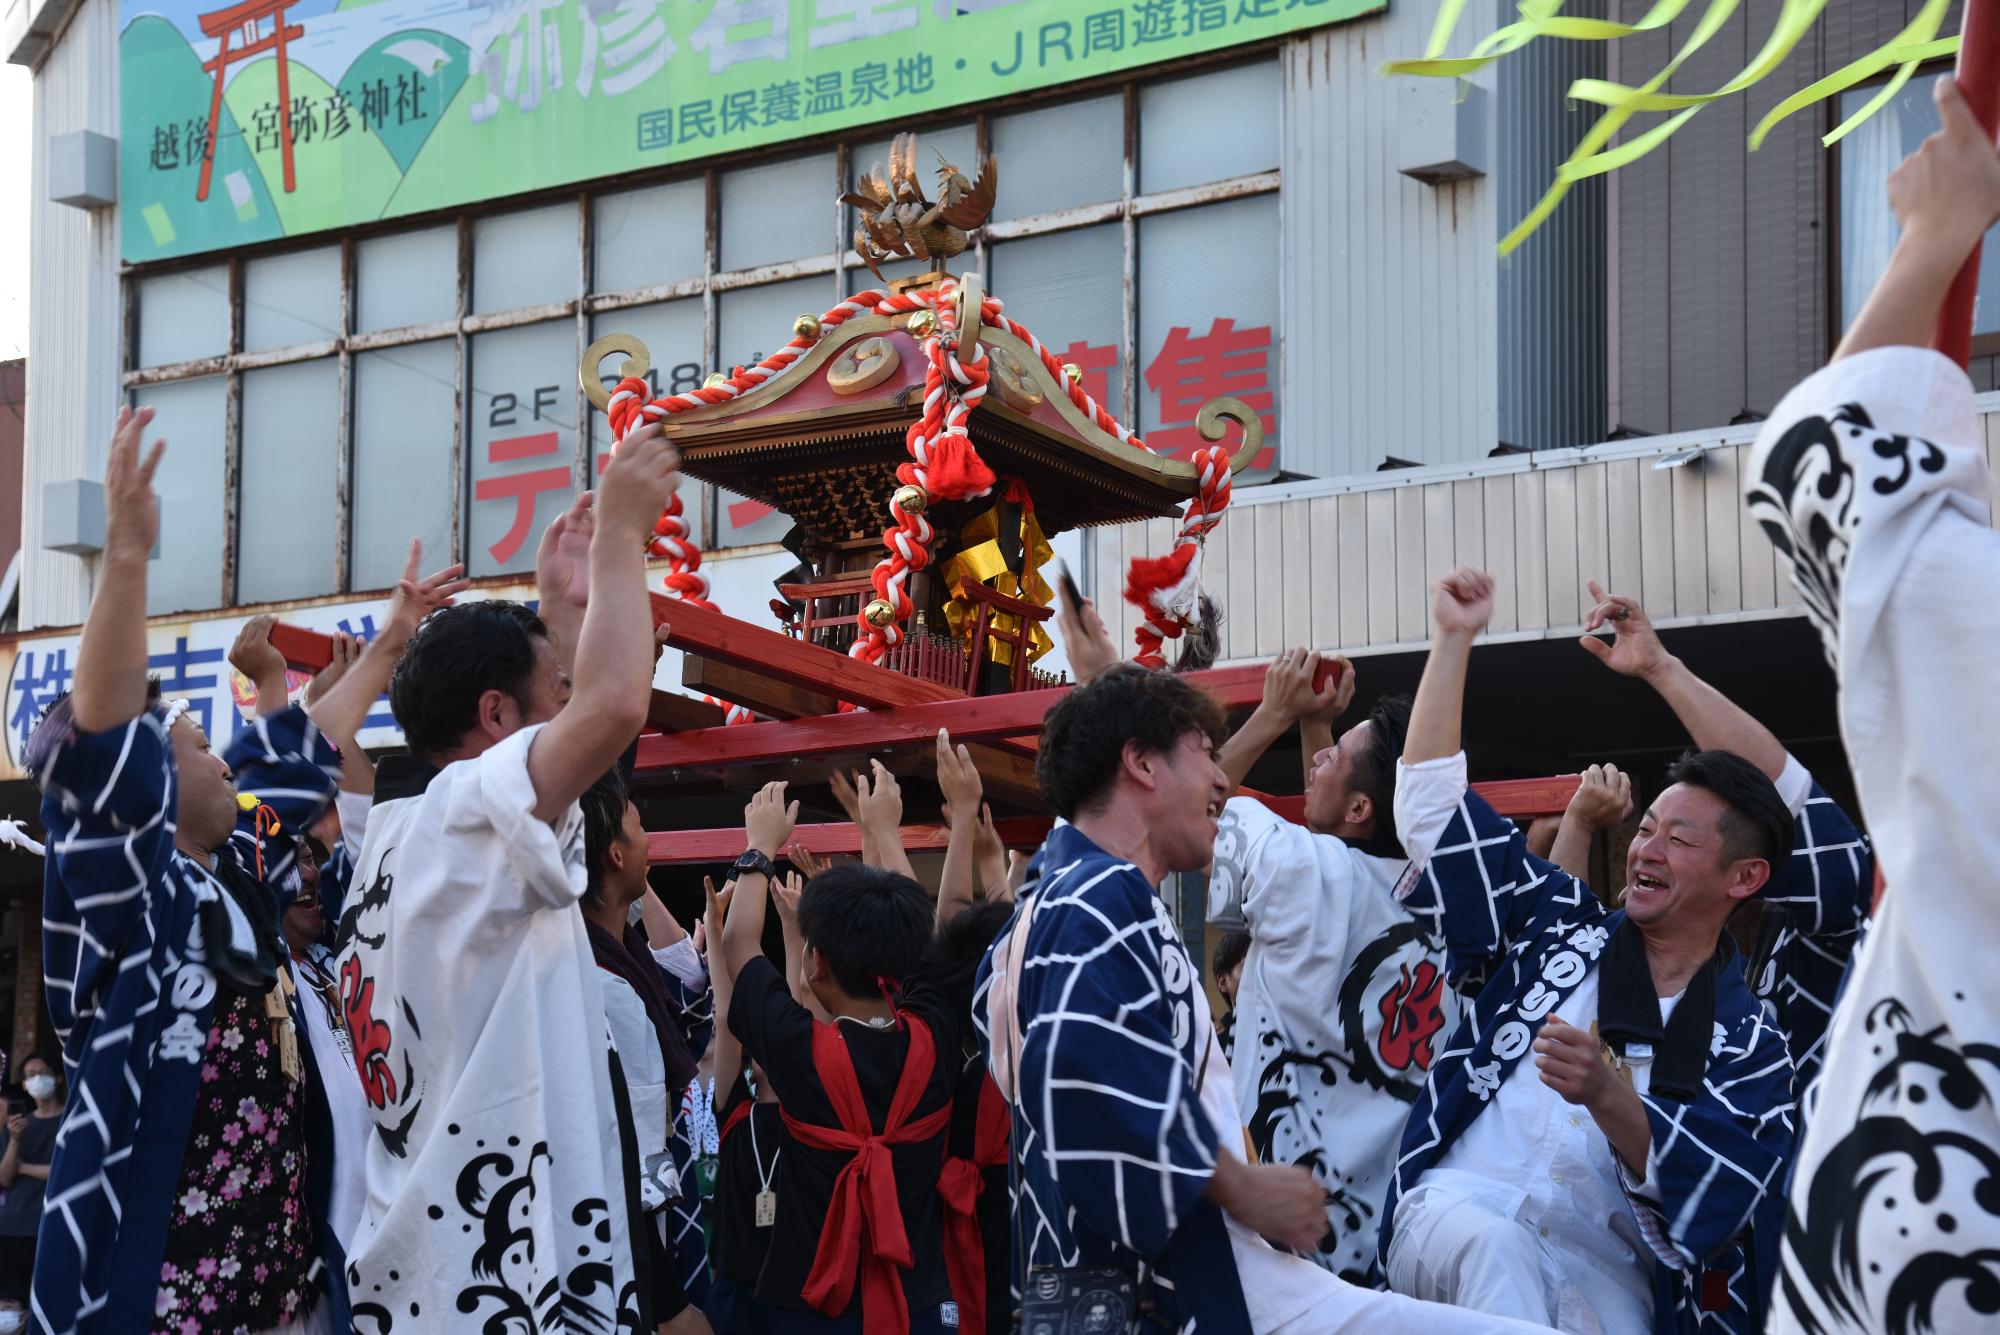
{"x":879,"y":613}
{"x":806,"y":326}
{"x":910,"y":499}
{"x":714,"y":380}
{"x":1073,"y":373}
{"x":924,"y":323}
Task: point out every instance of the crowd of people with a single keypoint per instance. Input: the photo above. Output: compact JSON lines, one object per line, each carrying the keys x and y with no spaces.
{"x":423,"y":1049}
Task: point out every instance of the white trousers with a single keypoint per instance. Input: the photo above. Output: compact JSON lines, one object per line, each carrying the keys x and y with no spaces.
{"x":1290,"y":1296}
{"x":1450,"y":1249}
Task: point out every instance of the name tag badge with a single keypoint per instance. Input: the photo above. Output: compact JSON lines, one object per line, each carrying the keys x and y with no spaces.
{"x":767,"y":1208}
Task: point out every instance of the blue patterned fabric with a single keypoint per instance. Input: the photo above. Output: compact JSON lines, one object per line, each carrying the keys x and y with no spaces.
{"x":1113,"y":1147}
{"x":131,"y":995}
{"x":1539,"y":932}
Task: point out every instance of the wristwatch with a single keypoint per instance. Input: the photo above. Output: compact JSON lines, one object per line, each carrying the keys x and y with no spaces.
{"x":752,"y":860}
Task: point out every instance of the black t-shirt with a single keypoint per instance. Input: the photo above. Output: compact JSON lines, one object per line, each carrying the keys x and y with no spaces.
{"x":750,"y":1157}
{"x":21,"y":1212}
{"x":776,"y":1032}
{"x":996,"y":1221}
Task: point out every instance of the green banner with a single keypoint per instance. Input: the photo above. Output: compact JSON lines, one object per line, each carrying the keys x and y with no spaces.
{"x":246,"y":122}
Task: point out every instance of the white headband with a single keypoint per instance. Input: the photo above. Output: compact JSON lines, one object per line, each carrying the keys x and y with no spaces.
{"x":176,"y":708}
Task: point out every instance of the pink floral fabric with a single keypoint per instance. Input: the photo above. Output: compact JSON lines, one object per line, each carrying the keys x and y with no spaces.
{"x":240,"y":1257}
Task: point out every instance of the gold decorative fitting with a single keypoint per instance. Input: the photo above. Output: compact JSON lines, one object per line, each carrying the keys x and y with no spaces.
{"x":923,"y":323}
{"x":971,"y":301}
{"x":1209,"y":423}
{"x":714,"y":380}
{"x":590,"y":371}
{"x":806,"y":326}
{"x":1011,"y":381}
{"x":879,"y":613}
{"x":862,"y":365}
{"x":910,"y":499}
{"x":896,"y":221}
{"x":1073,"y":373}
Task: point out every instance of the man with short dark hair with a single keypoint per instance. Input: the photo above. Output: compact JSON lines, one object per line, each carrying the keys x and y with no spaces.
{"x":1605,"y":1184}
{"x":1096,"y":1028}
{"x":495,"y":1192}
{"x":1342,"y":1004}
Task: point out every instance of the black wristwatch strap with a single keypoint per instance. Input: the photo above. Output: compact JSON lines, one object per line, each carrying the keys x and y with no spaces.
{"x":751,"y":860}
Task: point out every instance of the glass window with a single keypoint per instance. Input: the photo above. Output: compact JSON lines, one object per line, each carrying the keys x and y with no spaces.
{"x":1208,"y":317}
{"x":777,"y":211}
{"x":1077,"y":152}
{"x":644,"y":237}
{"x":1208,"y":127}
{"x":1068,"y":288}
{"x":405,"y":279}
{"x":1868,"y":229}
{"x":671,"y":331}
{"x":183,"y":316}
{"x":524,"y":259}
{"x":523,"y":435}
{"x":290,"y":471}
{"x":186,"y":573}
{"x":403,"y":453}
{"x":752,"y":322}
{"x":291,"y":299}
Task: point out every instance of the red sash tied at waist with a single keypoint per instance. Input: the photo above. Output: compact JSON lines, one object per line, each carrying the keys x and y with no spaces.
{"x":863,"y":1235}
{"x":959,"y":1187}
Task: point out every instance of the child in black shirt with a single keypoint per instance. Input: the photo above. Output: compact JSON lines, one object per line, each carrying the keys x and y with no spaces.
{"x":865,"y":1099}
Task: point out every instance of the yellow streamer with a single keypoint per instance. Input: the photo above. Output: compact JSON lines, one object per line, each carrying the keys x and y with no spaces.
{"x":1595,"y":155}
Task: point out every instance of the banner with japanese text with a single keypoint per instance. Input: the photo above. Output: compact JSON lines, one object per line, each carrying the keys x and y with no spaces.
{"x":246,"y":122}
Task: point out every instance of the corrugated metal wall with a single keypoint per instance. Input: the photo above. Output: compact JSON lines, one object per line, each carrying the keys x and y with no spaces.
{"x":1347,"y":564}
{"x":1388,"y":284}
{"x":73,"y":311}
{"x":1552,"y":344}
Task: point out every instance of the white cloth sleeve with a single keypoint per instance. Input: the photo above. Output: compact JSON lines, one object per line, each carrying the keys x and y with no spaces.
{"x":684,"y":962}
{"x":546,"y":857}
{"x":353,"y":809}
{"x":1795,"y":784}
{"x":1427,"y":797}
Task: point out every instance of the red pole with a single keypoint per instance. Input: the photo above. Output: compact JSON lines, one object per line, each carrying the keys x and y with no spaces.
{"x":1978,"y":77}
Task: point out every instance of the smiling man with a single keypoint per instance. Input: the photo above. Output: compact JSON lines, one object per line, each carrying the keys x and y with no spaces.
{"x":1607,"y":1183}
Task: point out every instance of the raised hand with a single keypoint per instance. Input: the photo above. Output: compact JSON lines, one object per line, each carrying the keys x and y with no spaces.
{"x":1462,"y":602}
{"x":253,"y":653}
{"x":768,"y":822}
{"x":1634,"y":649}
{"x":415,"y":599}
{"x":880,"y":799}
{"x":1604,"y":799}
{"x":785,"y":892}
{"x":809,"y":863}
{"x":562,"y":562}
{"x":346,"y":650}
{"x":957,"y":777}
{"x":131,"y":508}
{"x":637,"y":485}
{"x":1289,"y":692}
{"x":1947,"y":193}
{"x":989,"y":857}
{"x":1085,"y":641}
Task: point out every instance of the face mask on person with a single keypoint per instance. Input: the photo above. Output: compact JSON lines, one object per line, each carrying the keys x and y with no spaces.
{"x":13,"y":1321}
{"x":38,"y":1087}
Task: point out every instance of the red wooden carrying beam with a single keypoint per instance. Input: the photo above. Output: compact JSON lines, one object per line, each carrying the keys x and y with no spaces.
{"x":304,"y":650}
{"x":1517,"y":799}
{"x":1978,"y":76}
{"x":970,"y":719}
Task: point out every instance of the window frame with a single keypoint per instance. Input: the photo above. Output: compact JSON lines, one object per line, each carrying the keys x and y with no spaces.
{"x":1983,"y":345}
{"x":579,"y":308}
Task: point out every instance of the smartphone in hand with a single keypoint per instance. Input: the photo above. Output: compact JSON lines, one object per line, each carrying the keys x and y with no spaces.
{"x":1073,"y":594}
